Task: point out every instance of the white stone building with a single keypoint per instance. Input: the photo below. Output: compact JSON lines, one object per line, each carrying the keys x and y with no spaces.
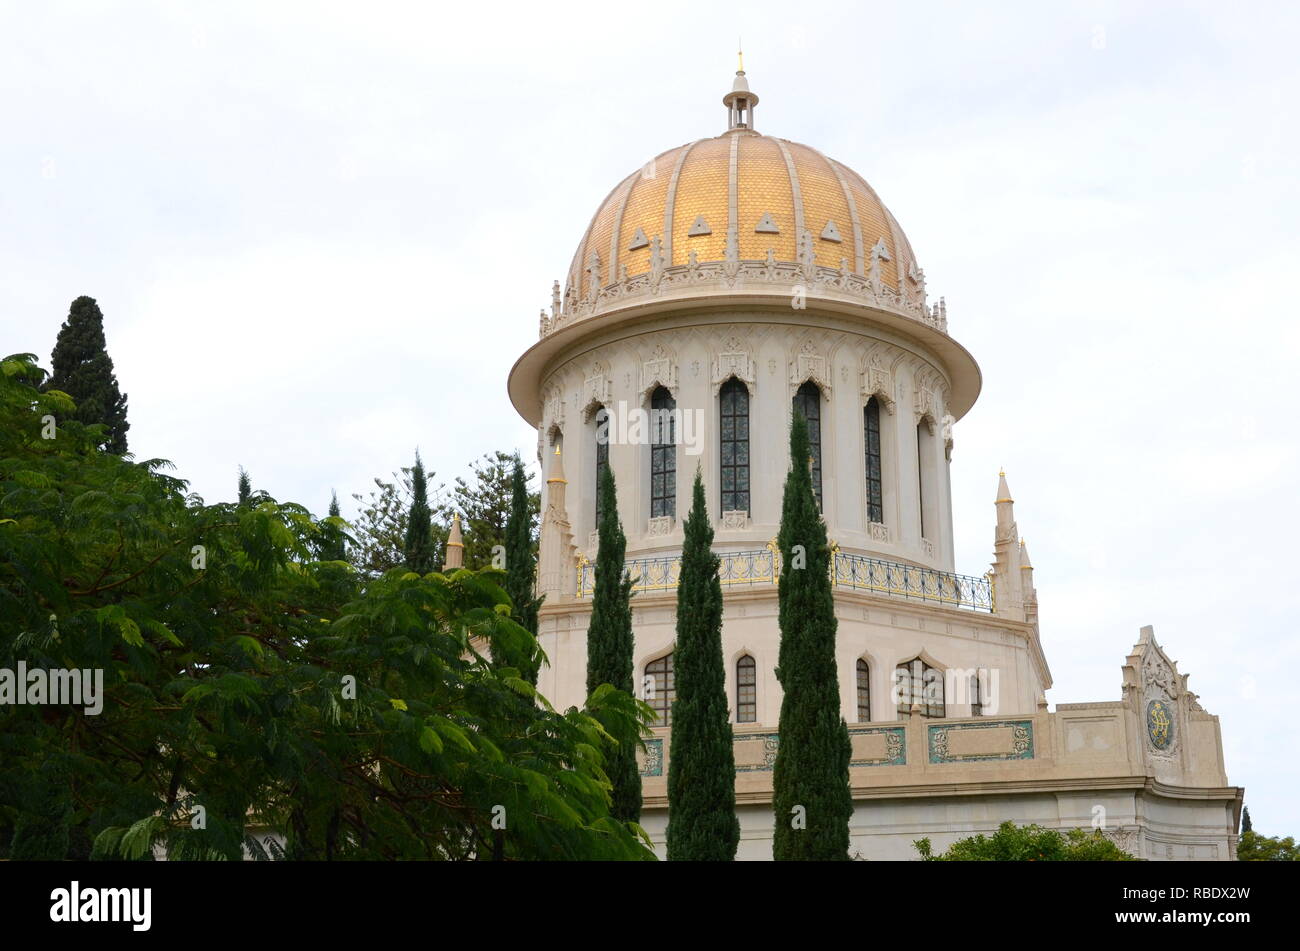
{"x":729,"y":279}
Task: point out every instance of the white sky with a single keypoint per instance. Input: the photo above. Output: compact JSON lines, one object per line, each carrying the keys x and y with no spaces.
{"x":320,"y":235}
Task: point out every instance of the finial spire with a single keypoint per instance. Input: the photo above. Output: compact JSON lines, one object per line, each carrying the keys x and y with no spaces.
{"x":740,"y":57}
{"x":740,"y":102}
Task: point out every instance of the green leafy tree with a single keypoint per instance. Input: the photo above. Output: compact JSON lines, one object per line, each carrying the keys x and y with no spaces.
{"x":247,"y":677}
{"x":484,"y":503}
{"x":521,"y":560}
{"x":418,"y":544}
{"x":702,"y":823}
{"x":83,"y":369}
{"x":1254,"y":847}
{"x":610,"y":644}
{"x":810,"y":778}
{"x":1030,"y":843}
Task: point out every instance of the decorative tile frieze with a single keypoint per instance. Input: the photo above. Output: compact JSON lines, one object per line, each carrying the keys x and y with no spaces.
{"x":1016,"y":736}
{"x":867,"y":750}
{"x":652,"y":760}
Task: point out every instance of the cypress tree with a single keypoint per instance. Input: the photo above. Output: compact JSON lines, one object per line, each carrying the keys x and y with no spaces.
{"x":1245,"y":821}
{"x":83,"y":369}
{"x":245,"y":487}
{"x":702,"y":824}
{"x":333,"y":546}
{"x":609,"y":646}
{"x":521,"y":561}
{"x":418,"y":544}
{"x":810,"y":779}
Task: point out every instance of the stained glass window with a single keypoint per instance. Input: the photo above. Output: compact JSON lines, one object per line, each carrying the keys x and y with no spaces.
{"x":871,"y":430}
{"x":918,"y":682}
{"x":663,"y":454}
{"x":664,"y":688}
{"x":733,"y":411}
{"x":864,"y":692}
{"x":601,"y":420}
{"x":809,"y":402}
{"x":746,"y":690}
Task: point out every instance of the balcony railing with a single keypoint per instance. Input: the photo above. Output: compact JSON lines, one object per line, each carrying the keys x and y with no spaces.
{"x":763,"y":566}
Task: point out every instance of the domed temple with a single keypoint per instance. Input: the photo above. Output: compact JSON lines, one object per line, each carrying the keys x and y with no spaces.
{"x":719,"y":285}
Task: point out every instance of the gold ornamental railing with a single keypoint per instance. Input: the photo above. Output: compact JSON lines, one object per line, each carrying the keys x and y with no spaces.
{"x":847,"y":570}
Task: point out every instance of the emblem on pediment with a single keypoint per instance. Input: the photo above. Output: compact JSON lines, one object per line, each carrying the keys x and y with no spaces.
{"x":659,"y":370}
{"x":1160,"y":724}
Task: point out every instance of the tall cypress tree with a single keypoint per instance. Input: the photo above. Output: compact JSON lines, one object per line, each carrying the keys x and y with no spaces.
{"x":418,"y":544}
{"x":521,"y":561}
{"x":702,"y":824}
{"x":333,"y":545}
{"x":245,"y":487}
{"x":810,"y":779}
{"x":609,"y":646}
{"x":83,"y":369}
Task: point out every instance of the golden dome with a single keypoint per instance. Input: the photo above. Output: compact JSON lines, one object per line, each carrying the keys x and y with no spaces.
{"x":768,"y":191}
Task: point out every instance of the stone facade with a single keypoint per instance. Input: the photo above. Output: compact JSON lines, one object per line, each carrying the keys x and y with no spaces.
{"x":700,"y":296}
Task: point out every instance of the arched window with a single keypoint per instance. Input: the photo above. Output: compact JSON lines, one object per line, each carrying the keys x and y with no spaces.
{"x":809,"y":402}
{"x":871,"y":432}
{"x":918,"y":682}
{"x":663,"y":454}
{"x":660,"y":672}
{"x":927,"y":486}
{"x":733,"y":412}
{"x":976,"y":700}
{"x":601,"y":420}
{"x":864,"y":692}
{"x":746,"y":690}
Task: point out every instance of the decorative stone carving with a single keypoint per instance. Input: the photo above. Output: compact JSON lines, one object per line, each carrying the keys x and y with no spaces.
{"x":699,"y":227}
{"x":766,"y":225}
{"x":947,"y":424}
{"x":735,"y":519}
{"x":831,"y":233}
{"x":593,"y":543}
{"x":924,"y":405}
{"x":734,"y":360}
{"x":659,"y":370}
{"x":879,"y":532}
{"x":593,"y":276}
{"x":639,"y":240}
{"x":878,"y":381}
{"x":596,"y":387}
{"x":553,"y":413}
{"x":808,"y":364}
{"x":659,"y":526}
{"x":927,"y":547}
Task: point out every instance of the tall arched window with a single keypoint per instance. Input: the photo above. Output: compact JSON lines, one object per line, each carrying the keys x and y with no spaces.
{"x":733,"y":412}
{"x":746,"y":690}
{"x":664,"y":688}
{"x":809,"y":402}
{"x":918,"y":682}
{"x":864,"y":692}
{"x":871,"y":433}
{"x":927,"y":484}
{"x":663,"y":454}
{"x":601,"y":420}
{"x":976,"y":700}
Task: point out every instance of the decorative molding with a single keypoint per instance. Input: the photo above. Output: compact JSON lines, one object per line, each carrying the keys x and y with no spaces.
{"x":1022,"y":741}
{"x":766,"y":225}
{"x":701,"y":226}
{"x":659,"y":526}
{"x":737,"y":519}
{"x":721,"y":276}
{"x":596,"y":388}
{"x":733,"y":360}
{"x":807,"y":365}
{"x":770,"y":743}
{"x":659,"y":370}
{"x":895,"y":746}
{"x":927,"y":547}
{"x":879,"y":532}
{"x":878,"y":381}
{"x":831,"y":233}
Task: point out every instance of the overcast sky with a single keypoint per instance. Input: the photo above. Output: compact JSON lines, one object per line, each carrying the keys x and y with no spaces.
{"x":320,"y":235}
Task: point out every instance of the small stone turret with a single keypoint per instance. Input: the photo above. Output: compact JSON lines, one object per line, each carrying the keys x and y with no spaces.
{"x":455,"y":557}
